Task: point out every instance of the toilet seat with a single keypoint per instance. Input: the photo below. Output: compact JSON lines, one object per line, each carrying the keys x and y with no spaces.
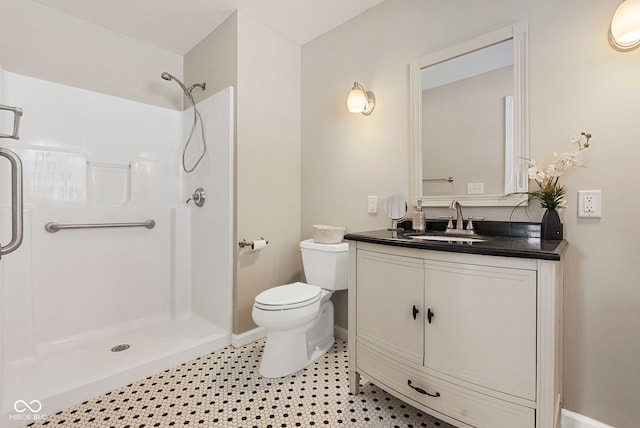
{"x":289,"y":296}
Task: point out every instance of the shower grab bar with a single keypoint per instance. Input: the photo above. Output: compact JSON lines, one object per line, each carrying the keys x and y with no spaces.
{"x":16,"y":201}
{"x":17,"y":114}
{"x":53,"y":227}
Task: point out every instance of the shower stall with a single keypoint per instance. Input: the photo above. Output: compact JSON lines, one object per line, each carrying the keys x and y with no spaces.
{"x":84,"y":310}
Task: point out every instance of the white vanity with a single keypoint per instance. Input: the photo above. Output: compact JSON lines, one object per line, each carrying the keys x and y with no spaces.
{"x":470,"y":333}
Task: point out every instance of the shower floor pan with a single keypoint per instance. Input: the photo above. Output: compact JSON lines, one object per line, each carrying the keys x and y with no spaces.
{"x":66,"y":378}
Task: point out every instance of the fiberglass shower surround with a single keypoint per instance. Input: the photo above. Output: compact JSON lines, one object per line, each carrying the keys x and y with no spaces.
{"x":196,"y":117}
{"x":72,"y":296}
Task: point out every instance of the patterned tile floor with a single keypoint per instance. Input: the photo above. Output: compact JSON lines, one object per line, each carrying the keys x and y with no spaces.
{"x":225,"y":389}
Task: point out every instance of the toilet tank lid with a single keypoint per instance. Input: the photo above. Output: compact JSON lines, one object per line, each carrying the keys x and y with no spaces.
{"x":313,"y":245}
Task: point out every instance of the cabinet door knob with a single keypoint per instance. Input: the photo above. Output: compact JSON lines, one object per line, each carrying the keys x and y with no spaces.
{"x":430,"y":315}
{"x":422,"y":391}
{"x":415,"y":312}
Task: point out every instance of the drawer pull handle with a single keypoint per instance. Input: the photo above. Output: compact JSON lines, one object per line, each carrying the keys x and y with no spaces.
{"x":422,"y":391}
{"x":415,"y":312}
{"x":430,"y":315}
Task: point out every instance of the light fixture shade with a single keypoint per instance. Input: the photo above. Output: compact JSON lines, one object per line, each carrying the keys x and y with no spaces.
{"x":624,"y":33}
{"x":356,"y":100}
{"x":359,"y":100}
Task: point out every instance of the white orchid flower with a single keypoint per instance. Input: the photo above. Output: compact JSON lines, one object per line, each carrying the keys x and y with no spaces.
{"x":551,"y":191}
{"x":577,"y":158}
{"x":536,"y":173}
{"x":575,"y":139}
{"x":555,"y":169}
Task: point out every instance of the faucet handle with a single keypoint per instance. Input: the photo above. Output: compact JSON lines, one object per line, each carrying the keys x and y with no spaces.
{"x":447,"y":217}
{"x":470,"y":222}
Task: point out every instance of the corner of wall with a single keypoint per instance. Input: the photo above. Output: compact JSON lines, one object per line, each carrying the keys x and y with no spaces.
{"x":214,"y":59}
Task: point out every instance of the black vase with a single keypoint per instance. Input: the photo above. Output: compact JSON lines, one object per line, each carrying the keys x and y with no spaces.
{"x":551,"y":225}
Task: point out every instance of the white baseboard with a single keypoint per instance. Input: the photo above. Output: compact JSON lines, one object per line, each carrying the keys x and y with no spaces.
{"x":570,"y":419}
{"x":239,"y":340}
{"x":340,"y":333}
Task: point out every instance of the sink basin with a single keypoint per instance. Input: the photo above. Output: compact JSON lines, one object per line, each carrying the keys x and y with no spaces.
{"x":464,"y":239}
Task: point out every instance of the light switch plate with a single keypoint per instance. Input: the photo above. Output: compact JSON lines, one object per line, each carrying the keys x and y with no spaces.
{"x":372,"y":205}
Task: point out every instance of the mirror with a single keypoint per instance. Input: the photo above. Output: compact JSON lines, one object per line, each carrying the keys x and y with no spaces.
{"x":469,"y":122}
{"x":395,"y":208}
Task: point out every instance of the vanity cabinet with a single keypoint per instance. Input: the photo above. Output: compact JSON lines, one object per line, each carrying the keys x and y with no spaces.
{"x":395,"y":288}
{"x":472,"y":339}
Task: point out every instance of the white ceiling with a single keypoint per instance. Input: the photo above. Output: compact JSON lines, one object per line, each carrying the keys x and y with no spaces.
{"x":178,"y":25}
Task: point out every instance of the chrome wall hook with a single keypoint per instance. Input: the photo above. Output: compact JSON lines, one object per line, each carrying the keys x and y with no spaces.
{"x":198,"y":197}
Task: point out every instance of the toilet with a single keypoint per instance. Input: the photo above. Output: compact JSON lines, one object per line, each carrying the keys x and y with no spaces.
{"x":298,"y":317}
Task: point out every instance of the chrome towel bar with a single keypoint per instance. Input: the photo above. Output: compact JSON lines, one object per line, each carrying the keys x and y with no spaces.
{"x":53,"y":227}
{"x":449,"y":179}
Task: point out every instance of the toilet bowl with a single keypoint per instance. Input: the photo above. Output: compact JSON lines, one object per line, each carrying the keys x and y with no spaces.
{"x":298,"y":317}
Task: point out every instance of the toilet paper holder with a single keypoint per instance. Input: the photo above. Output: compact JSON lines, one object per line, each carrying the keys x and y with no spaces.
{"x":245,"y":243}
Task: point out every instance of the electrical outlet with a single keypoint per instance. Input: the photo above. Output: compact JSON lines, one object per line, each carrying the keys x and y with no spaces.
{"x":372,"y":205}
{"x":475,"y":188}
{"x":590,"y":203}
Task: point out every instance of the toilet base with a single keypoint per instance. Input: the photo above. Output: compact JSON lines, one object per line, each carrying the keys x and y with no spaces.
{"x":288,"y":351}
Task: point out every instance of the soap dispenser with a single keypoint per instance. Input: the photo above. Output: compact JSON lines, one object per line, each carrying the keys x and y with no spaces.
{"x":418,"y":218}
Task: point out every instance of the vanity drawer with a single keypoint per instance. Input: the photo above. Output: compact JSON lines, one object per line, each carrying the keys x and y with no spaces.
{"x":469,"y":407}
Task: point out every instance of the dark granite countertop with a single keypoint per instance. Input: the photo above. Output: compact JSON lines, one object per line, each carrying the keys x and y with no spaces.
{"x":507,"y":239}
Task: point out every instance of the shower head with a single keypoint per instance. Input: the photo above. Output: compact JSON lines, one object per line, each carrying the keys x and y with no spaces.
{"x":196,"y":115}
{"x":167,"y":76}
{"x":187,"y":91}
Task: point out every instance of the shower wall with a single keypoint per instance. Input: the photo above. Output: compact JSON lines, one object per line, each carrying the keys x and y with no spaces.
{"x":89,"y":158}
{"x":94,"y":158}
{"x":212,"y":245}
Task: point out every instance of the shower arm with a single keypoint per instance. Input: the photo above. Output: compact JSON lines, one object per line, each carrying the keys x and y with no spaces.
{"x":202,"y":86}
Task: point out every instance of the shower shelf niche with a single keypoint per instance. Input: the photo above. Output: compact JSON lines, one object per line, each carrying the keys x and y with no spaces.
{"x":108,"y":184}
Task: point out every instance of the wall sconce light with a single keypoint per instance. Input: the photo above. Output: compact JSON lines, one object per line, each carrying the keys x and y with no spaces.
{"x":624,"y":32}
{"x":360,"y":101}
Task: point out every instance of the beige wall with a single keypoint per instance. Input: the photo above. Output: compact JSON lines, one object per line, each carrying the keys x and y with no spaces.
{"x":38,"y":41}
{"x":215,"y":59}
{"x":268,"y":163}
{"x":264,"y":67}
{"x":577,"y":83}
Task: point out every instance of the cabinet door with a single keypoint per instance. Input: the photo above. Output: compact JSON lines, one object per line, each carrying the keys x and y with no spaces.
{"x":390,"y":294}
{"x":483,"y":327}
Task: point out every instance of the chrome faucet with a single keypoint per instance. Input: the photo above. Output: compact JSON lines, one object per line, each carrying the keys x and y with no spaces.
{"x":455,"y":205}
{"x":459,"y":229}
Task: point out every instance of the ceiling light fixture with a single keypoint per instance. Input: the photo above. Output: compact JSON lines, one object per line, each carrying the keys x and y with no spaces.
{"x":624,"y":32}
{"x":360,"y":101}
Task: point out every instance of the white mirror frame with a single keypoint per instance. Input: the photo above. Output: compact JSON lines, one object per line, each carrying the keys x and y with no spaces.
{"x":516,"y":179}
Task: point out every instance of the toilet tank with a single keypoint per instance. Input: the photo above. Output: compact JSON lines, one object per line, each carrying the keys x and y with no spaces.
{"x":325,"y":265}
